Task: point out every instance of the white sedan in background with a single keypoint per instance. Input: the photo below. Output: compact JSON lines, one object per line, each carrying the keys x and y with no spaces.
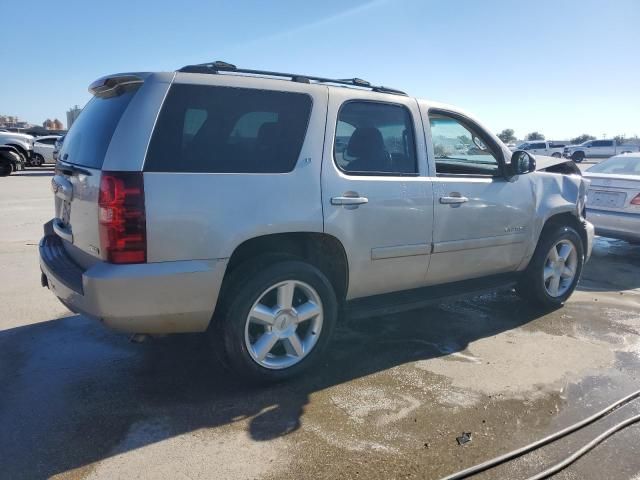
{"x":43,"y":149}
{"x":613,"y":199}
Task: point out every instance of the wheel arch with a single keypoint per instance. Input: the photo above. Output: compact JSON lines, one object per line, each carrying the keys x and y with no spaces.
{"x":565,"y":218}
{"x":322,"y":250}
{"x":20,"y":149}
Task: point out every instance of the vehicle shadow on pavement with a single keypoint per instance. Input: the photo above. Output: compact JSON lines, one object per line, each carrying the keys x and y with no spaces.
{"x":73,"y":391}
{"x":610,"y":256}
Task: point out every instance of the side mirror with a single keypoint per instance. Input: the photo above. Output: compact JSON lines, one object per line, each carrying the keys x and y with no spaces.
{"x":522,"y":162}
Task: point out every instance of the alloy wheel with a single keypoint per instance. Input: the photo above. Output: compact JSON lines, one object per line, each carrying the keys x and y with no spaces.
{"x":284,"y":324}
{"x":560,"y":268}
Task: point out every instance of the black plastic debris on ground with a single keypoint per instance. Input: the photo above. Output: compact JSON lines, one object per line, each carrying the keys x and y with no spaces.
{"x":464,"y":438}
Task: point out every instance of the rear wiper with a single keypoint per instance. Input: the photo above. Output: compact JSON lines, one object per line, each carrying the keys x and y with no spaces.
{"x":70,"y":169}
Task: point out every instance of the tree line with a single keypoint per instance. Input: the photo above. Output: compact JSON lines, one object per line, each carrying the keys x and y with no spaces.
{"x":508,"y":136}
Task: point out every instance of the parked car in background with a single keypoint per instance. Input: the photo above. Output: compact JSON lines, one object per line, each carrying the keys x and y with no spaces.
{"x":56,"y":147}
{"x":22,"y":142}
{"x":597,"y":148}
{"x":43,"y":148}
{"x":255,"y":206}
{"x":543,"y":147}
{"x":613,"y":200}
{"x":10,"y":160}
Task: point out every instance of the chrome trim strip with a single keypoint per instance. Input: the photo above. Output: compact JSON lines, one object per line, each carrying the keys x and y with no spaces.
{"x":473,"y":243}
{"x":381,"y":253}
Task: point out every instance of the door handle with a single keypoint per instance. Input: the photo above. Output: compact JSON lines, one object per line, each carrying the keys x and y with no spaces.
{"x":349,"y":201}
{"x":453,"y":200}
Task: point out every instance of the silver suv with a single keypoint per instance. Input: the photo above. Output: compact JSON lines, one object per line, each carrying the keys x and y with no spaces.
{"x":255,"y":206}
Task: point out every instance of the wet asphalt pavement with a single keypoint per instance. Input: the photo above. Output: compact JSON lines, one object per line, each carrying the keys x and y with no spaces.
{"x":80,"y":401}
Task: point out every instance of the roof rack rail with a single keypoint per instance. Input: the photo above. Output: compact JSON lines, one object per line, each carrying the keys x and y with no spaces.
{"x":218,"y":66}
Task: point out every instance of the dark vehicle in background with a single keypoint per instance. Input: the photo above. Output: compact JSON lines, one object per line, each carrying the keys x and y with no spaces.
{"x":10,"y":160}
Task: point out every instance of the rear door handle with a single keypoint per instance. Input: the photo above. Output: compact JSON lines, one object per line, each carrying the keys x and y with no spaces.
{"x":349,"y":200}
{"x":453,"y":200}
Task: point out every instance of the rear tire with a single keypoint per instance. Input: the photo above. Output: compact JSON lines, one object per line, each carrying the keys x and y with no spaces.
{"x":577,"y":157}
{"x":554,"y":269}
{"x":275,"y":319}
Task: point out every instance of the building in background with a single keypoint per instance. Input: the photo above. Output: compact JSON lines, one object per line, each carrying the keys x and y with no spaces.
{"x":72,"y":114}
{"x":12,"y":122}
{"x":53,"y":124}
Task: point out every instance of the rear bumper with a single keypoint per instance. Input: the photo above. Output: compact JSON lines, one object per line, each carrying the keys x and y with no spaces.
{"x":624,"y":226}
{"x":167,"y":297}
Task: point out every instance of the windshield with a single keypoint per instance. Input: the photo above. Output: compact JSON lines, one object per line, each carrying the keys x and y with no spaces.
{"x":624,"y":165}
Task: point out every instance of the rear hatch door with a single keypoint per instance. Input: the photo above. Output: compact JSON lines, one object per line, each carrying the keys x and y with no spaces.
{"x":76,"y":183}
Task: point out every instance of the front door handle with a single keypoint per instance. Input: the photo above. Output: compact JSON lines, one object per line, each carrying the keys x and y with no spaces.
{"x":453,"y":200}
{"x":349,"y":201}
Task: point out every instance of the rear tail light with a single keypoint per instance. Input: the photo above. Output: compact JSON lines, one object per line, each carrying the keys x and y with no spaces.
{"x":636,"y":200}
{"x":123,"y":233}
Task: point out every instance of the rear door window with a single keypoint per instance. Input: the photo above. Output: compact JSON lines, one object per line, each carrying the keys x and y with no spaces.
{"x":208,"y":129}
{"x":88,"y":139}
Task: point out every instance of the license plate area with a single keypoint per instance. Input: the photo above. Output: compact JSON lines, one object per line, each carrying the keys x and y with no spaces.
{"x":599,"y":198}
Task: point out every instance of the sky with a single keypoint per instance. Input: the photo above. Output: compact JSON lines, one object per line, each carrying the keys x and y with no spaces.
{"x":561,"y":67}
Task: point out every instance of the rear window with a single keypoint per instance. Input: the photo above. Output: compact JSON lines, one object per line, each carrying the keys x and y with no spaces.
{"x":87,"y":141}
{"x":228,"y":130}
{"x":625,"y":165}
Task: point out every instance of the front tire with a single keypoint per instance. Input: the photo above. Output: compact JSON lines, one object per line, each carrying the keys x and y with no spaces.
{"x":275,"y":320}
{"x":556,"y":155}
{"x":554,"y":269}
{"x":5,"y":169}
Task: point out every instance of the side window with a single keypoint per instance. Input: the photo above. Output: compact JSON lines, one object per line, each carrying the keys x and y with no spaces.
{"x":375,"y":138}
{"x":539,"y":146}
{"x":210,"y":129}
{"x":459,"y":150}
{"x":607,"y":143}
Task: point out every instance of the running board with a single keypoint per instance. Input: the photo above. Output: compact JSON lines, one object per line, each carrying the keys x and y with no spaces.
{"x":395,"y":302}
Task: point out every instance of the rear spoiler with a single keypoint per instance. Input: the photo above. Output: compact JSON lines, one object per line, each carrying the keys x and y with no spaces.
{"x":114,"y":85}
